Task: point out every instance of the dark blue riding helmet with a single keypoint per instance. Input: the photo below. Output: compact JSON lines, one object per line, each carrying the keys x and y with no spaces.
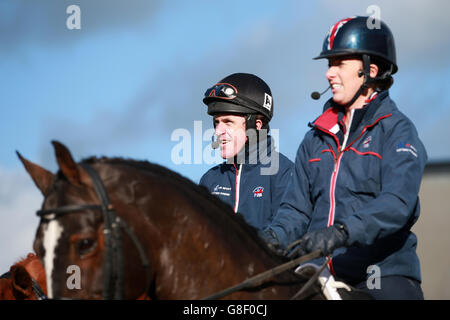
{"x":357,"y":36}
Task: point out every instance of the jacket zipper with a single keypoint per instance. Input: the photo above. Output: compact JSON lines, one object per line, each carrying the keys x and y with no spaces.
{"x":335,"y":173}
{"x":333,"y":189}
{"x":331,"y":213}
{"x":236,"y":187}
{"x":333,"y":181}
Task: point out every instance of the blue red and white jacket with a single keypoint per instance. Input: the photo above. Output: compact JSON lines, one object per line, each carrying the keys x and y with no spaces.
{"x":252,"y":188}
{"x":368,"y":181}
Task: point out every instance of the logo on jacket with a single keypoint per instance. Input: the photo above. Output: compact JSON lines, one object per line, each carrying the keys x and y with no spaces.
{"x":367,"y":141}
{"x":219,"y":190}
{"x":406,"y":147}
{"x":258,"y":192}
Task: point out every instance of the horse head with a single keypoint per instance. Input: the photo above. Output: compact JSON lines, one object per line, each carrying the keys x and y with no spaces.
{"x":24,"y":281}
{"x":76,"y":238}
{"x":71,"y":236}
{"x":16,"y":285}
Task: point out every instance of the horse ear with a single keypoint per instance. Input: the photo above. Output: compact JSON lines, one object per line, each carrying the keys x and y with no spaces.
{"x":41,"y":177}
{"x":75,"y":174}
{"x":21,"y":282}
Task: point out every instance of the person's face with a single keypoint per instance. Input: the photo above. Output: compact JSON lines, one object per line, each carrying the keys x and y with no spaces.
{"x":343,"y":77}
{"x":230,"y":130}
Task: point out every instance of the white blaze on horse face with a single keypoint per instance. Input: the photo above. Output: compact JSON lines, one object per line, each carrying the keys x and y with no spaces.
{"x":52,"y":233}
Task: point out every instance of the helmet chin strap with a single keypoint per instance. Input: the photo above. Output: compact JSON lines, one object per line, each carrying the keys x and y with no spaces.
{"x":250,"y":121}
{"x":367,"y":79}
{"x":250,"y":124}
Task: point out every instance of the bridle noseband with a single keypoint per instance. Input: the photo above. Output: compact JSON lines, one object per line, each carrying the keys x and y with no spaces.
{"x":113,"y":282}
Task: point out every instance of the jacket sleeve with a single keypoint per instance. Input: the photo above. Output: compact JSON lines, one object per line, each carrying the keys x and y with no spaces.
{"x":396,"y":206}
{"x":293,"y":216}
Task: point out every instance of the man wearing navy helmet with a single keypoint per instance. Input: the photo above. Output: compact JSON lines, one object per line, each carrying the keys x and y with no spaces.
{"x":254,"y":175}
{"x":357,"y":174}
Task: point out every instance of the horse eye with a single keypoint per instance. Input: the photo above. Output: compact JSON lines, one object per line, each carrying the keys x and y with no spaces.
{"x":85,"y":246}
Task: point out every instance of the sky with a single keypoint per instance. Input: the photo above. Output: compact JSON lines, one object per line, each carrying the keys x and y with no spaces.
{"x":131,"y":79}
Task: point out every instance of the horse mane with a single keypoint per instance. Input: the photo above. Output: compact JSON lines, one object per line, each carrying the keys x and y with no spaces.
{"x":190,"y":187}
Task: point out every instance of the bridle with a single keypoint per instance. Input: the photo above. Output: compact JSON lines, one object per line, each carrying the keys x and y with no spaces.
{"x":113,"y":268}
{"x":113,"y":280}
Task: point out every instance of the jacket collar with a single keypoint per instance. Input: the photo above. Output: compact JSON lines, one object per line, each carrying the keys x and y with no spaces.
{"x":332,"y":118}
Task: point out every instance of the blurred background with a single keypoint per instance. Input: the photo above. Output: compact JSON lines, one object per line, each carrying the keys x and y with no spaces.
{"x":136,"y":71}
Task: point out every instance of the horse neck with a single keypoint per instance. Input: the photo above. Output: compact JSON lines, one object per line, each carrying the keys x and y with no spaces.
{"x":203,"y":244}
{"x":222,"y":258}
{"x":189,"y":238}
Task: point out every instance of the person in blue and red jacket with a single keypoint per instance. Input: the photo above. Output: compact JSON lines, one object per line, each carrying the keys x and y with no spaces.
{"x":254,"y":176}
{"x":354,"y":190}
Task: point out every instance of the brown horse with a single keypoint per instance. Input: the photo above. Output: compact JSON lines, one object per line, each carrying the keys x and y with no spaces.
{"x":173,"y":240}
{"x":24,"y":281}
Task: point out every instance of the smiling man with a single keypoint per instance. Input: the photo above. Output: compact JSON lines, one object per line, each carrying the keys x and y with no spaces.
{"x":254,"y":175}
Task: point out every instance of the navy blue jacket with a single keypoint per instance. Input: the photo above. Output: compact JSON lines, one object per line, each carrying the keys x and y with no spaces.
{"x":371,"y":186}
{"x":255,"y":190}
